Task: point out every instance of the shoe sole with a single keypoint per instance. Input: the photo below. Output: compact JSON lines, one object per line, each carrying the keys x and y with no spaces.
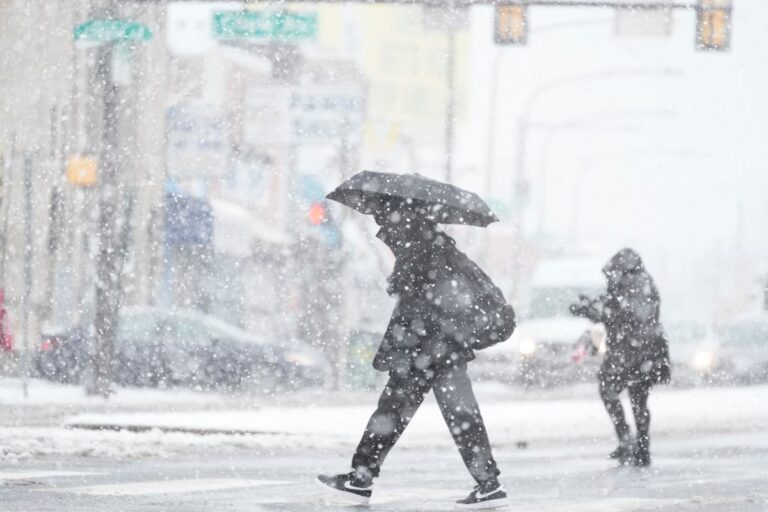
{"x":484,"y":505}
{"x":355,"y":498}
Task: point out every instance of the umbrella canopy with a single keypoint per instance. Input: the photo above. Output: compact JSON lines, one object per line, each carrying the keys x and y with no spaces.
{"x":371,"y":192}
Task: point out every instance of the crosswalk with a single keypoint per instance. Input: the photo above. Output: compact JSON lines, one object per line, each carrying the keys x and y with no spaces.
{"x":33,"y":475}
{"x":87,"y":490}
{"x":33,"y":479}
{"x":62,"y":482}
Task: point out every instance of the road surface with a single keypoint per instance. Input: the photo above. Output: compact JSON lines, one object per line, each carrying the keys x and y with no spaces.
{"x":706,"y":473}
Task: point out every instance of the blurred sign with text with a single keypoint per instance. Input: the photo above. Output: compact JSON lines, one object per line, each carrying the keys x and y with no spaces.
{"x":326,"y":113}
{"x":285,"y":25}
{"x":197,"y":141}
{"x":643,"y":22}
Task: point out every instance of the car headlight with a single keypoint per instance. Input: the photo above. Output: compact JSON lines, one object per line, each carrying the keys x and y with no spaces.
{"x":527,"y":347}
{"x":703,"y":360}
{"x":299,"y":359}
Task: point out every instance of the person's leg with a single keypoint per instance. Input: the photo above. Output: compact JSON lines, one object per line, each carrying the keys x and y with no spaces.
{"x":610,"y":386}
{"x":638,"y":396}
{"x":399,"y":401}
{"x":453,"y":391}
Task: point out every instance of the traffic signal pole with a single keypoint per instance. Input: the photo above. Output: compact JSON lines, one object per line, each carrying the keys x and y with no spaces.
{"x":109,"y":34}
{"x":107,"y":275}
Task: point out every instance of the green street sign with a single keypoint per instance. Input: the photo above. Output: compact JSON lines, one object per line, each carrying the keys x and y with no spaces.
{"x":103,"y":31}
{"x":264,"y":25}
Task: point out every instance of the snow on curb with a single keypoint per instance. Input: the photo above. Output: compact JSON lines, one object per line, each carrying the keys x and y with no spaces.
{"x":24,"y":443}
{"x":675,"y":413}
{"x":126,"y":435}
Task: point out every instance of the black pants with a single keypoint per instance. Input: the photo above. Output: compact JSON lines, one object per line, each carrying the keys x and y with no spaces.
{"x":400,"y":400}
{"x":611,"y":385}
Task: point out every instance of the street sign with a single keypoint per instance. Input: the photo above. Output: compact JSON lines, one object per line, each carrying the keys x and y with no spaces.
{"x":197,"y":141}
{"x":444,"y":19}
{"x":655,"y":22}
{"x":104,"y":31}
{"x":284,"y":25}
{"x":329,"y":113}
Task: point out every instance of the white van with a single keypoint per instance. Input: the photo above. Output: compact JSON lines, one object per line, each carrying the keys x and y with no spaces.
{"x":541,"y":352}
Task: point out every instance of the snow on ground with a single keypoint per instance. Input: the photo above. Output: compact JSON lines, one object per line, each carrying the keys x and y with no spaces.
{"x":43,"y":393}
{"x":25,"y":443}
{"x":323,"y":425}
{"x":676,"y":412}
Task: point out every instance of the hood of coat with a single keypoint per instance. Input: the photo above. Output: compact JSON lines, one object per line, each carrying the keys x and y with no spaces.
{"x":402,"y":234}
{"x":418,"y":261}
{"x":626,"y":261}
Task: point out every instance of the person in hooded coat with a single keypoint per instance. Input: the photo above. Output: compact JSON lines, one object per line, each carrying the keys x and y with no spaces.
{"x":637,"y":354}
{"x":425,"y":348}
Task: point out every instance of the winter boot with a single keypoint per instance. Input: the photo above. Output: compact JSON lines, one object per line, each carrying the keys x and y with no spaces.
{"x":642,"y":455}
{"x":624,"y":453}
{"x":488,"y":494}
{"x":349,"y":486}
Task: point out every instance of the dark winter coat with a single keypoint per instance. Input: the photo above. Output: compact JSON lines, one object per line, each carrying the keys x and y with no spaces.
{"x":637,"y":347}
{"x":426,"y":329}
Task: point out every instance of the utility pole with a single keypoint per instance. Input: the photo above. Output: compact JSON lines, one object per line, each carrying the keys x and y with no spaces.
{"x":27,"y":272}
{"x":109,"y":33}
{"x":107,"y":271}
{"x":4,"y":167}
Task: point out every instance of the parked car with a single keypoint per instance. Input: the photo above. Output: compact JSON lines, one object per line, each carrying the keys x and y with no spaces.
{"x":155,"y":347}
{"x":734,"y":352}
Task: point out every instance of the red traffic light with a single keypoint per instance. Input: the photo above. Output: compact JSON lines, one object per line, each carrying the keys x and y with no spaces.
{"x":317,"y":214}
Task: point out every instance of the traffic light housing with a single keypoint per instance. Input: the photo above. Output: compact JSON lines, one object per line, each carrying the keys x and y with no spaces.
{"x":510,"y":25}
{"x":322,"y":224}
{"x":713,"y":25}
{"x":317,"y":214}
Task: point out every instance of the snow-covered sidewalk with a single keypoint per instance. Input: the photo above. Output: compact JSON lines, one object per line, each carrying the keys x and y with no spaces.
{"x":146,"y":423}
{"x":675,"y":413}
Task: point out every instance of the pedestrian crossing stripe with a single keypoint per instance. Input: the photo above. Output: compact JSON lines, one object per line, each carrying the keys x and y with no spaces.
{"x":165,"y":487}
{"x":34,"y":475}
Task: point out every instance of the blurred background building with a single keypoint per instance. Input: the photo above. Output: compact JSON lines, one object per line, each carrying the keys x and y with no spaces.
{"x":236,"y":119}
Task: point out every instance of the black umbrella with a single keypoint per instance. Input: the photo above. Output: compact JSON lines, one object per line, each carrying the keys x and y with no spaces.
{"x":371,"y":192}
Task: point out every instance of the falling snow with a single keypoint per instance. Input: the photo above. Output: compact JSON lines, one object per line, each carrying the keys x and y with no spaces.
{"x":409,"y":250}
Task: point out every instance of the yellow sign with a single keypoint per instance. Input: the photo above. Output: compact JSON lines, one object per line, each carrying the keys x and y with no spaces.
{"x":82,"y":171}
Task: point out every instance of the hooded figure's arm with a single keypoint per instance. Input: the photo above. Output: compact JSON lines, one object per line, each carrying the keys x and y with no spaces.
{"x":595,"y":310}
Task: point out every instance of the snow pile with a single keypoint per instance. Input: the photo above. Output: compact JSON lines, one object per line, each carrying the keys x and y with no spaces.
{"x":43,"y":393}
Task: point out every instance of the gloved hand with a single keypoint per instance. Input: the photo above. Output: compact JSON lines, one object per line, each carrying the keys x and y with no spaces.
{"x":581,"y":308}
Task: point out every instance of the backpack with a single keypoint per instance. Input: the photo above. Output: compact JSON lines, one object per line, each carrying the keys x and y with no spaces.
{"x":478,"y":314}
{"x":661,"y":372}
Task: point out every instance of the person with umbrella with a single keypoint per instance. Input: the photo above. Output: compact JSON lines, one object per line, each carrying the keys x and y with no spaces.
{"x":447,"y":308}
{"x":637,"y":353}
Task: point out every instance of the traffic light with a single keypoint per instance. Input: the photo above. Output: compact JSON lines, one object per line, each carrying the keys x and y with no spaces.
{"x":82,"y":171}
{"x":317,"y":214}
{"x":323,"y":225}
{"x":713,"y":25}
{"x":510,"y":24}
